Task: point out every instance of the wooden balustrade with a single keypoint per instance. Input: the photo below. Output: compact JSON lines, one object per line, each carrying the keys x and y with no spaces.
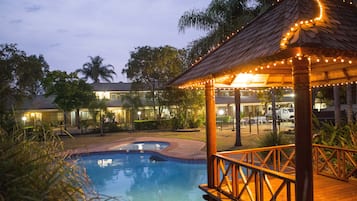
{"x":241,"y":180}
{"x":268,"y":173}
{"x":335,"y":162}
{"x":277,"y":158}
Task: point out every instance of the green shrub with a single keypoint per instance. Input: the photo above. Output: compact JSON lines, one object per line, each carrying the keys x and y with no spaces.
{"x":224,"y":119}
{"x":152,"y":124}
{"x":36,"y":168}
{"x":272,"y":139}
{"x":331,"y":135}
{"x":111,"y":127}
{"x":145,"y":124}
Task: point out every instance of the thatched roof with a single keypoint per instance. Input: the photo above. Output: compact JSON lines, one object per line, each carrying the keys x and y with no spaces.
{"x":260,"y":48}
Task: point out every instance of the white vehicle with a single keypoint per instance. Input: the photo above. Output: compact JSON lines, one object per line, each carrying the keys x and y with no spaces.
{"x":283,"y":114}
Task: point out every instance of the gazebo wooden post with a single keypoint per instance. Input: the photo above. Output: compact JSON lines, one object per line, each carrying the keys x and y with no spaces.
{"x":303,"y":125}
{"x":211,"y":133}
{"x":237,"y":115}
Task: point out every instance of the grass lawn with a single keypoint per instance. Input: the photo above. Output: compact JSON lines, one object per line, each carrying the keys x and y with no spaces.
{"x":225,"y":137}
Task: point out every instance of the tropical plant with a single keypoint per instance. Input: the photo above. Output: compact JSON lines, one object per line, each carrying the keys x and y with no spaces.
{"x":131,"y":102}
{"x":220,"y":19}
{"x":327,"y":133}
{"x":98,"y":108}
{"x":273,"y":139}
{"x":34,"y":166}
{"x":96,"y":70}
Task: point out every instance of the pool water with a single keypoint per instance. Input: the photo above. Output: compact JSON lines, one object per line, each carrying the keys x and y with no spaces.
{"x":136,"y":177}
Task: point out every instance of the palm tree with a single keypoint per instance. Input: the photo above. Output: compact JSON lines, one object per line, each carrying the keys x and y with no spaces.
{"x":95,"y":69}
{"x":220,"y":19}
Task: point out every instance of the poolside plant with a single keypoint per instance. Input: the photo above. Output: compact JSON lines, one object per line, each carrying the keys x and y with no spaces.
{"x":273,"y":139}
{"x":34,"y":166}
{"x":342,"y":136}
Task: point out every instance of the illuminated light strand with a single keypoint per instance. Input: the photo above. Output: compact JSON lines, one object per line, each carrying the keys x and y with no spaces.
{"x":307,"y":23}
{"x":335,"y":84}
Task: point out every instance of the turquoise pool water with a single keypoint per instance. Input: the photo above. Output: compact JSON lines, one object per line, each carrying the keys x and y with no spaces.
{"x":138,"y":176}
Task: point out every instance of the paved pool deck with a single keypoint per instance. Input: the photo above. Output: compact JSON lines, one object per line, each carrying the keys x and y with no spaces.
{"x":178,"y":148}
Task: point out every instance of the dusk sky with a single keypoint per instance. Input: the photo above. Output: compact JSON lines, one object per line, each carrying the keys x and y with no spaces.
{"x":66,"y":32}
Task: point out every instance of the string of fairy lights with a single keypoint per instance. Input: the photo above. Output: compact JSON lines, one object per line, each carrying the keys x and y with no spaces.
{"x":283,"y":62}
{"x":303,"y":24}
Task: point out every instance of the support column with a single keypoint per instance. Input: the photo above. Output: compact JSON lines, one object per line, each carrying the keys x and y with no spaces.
{"x":211,"y":143}
{"x":349,"y":103}
{"x":273,"y":112}
{"x":237,"y":106}
{"x":303,"y":125}
{"x":337,"y":105}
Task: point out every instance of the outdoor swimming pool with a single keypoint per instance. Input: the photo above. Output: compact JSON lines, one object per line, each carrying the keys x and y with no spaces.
{"x":136,"y":176}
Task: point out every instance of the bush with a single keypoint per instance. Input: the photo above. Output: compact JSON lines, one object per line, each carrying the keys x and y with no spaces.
{"x":224,"y":119}
{"x":33,"y":169}
{"x":331,"y":135}
{"x":110,"y":127}
{"x":271,"y":139}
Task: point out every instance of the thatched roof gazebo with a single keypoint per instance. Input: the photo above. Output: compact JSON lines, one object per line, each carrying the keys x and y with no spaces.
{"x":296,"y":43}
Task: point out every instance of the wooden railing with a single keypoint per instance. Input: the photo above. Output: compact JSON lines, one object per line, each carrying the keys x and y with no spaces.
{"x":335,"y":162}
{"x":268,"y":173}
{"x":243,"y":181}
{"x":277,"y":158}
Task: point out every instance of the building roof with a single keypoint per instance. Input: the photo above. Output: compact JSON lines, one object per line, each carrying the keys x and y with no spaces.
{"x":37,"y":102}
{"x":121,"y":86}
{"x":323,"y":30}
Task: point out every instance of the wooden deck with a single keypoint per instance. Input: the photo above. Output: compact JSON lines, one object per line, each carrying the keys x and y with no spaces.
{"x":331,"y":189}
{"x":325,"y":188}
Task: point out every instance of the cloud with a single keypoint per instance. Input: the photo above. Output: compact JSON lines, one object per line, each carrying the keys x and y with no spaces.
{"x":17,"y":21}
{"x":32,"y":8}
{"x":53,"y":45}
{"x":61,"y":30}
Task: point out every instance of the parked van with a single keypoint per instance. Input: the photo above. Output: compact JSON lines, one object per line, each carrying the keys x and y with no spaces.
{"x":283,"y":114}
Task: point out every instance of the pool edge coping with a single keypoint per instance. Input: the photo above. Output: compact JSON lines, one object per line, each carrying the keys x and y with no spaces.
{"x":179,"y":149}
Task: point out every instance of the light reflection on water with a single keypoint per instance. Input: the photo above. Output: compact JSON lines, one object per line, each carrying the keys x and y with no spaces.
{"x":134,"y":177}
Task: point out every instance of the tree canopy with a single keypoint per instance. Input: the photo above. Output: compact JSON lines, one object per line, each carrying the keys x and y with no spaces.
{"x":154,"y":65}
{"x":152,"y":68}
{"x":96,"y":70}
{"x":20,"y":75}
{"x":70,"y":92}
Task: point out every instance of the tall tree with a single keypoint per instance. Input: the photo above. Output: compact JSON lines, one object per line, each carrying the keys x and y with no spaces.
{"x":70,"y":92}
{"x":20,"y":76}
{"x":96,"y":70}
{"x":153,"y":67}
{"x":220,"y":19}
